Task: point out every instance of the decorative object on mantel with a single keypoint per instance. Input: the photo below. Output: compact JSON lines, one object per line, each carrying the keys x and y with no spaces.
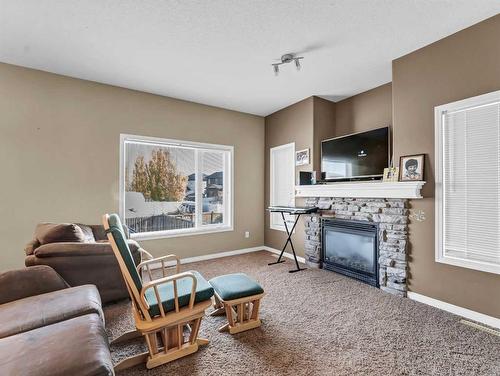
{"x":304,"y":178}
{"x":363,"y":189}
{"x":307,"y":177}
{"x":391,"y":174}
{"x":391,"y":216}
{"x":411,"y":167}
{"x":302,"y":157}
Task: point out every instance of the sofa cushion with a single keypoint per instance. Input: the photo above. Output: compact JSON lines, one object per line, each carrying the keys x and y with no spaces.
{"x":58,"y":232}
{"x":235,"y":286}
{"x":87,"y":232}
{"x":36,"y":311}
{"x":99,"y":232}
{"x":31,"y":246}
{"x":97,"y":266}
{"x":203,"y":292}
{"x":77,"y":346}
{"x":23,"y":283}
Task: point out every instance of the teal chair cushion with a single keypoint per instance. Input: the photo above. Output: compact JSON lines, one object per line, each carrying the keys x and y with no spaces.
{"x":235,"y":286}
{"x":166,"y":291}
{"x":116,"y":229}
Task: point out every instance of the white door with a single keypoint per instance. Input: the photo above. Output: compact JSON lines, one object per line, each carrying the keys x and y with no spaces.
{"x":282,"y":179}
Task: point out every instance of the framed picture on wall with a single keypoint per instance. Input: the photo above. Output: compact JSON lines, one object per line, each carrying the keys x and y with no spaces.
{"x":411,"y":168}
{"x":302,"y":157}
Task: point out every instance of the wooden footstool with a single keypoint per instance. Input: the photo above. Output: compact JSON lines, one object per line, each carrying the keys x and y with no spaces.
{"x":238,"y":296}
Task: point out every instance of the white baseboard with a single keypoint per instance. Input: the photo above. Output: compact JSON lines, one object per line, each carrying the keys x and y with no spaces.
{"x":285,"y":254}
{"x":211,"y":256}
{"x":460,"y":311}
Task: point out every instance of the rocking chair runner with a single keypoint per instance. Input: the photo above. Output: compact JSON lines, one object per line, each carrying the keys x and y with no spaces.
{"x":165,"y":308}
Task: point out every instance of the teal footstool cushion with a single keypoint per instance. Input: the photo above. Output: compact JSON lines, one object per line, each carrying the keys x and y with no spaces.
{"x":235,"y":286}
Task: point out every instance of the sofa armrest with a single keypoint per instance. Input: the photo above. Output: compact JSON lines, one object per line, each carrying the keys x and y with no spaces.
{"x":31,"y":246}
{"x":35,"y":280}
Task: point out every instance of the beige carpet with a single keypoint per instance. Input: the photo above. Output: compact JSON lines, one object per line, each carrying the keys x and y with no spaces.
{"x":317,"y":322}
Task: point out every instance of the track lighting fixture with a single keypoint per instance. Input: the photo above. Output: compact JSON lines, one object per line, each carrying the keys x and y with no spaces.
{"x":285,"y":59}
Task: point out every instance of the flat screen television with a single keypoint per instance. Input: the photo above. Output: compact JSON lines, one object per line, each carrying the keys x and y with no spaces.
{"x":357,"y":156}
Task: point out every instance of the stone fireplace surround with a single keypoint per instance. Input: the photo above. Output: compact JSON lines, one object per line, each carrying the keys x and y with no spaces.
{"x":392,"y":218}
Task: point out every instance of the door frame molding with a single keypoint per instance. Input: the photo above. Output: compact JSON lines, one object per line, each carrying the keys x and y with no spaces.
{"x":271,"y":181}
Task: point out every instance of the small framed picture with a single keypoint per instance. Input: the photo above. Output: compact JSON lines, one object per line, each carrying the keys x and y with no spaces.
{"x":391,"y":174}
{"x":411,"y":167}
{"x":302,"y":157}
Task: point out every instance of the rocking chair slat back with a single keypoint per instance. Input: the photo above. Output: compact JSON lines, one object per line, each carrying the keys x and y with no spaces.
{"x":133,"y":281}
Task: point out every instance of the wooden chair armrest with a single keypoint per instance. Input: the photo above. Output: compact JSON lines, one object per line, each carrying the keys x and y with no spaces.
{"x":173,"y":278}
{"x":146,"y":254}
{"x":164,"y":266}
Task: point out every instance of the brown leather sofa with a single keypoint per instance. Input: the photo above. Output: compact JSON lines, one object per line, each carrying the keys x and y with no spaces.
{"x":49,"y":328}
{"x":82,"y":255}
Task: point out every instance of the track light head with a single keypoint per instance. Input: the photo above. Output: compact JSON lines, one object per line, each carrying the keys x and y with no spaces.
{"x":297,"y":64}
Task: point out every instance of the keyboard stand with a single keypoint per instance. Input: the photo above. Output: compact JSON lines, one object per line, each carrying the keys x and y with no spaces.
{"x":289,"y":240}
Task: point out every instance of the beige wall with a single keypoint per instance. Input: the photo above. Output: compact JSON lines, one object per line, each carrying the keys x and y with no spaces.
{"x":457,"y":67}
{"x":292,"y":124}
{"x":59,"y":147}
{"x":324,"y":127}
{"x":365,"y":111}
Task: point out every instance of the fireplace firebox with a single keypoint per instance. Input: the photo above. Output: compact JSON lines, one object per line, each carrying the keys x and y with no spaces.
{"x":351,"y":248}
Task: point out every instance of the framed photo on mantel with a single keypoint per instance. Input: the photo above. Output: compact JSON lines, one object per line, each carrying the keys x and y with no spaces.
{"x":411,"y":167}
{"x":391,"y":174}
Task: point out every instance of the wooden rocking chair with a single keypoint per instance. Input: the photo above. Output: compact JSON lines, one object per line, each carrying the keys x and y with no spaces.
{"x":167,"y":311}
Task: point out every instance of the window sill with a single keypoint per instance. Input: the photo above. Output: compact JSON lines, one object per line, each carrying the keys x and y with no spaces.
{"x":475,"y":265}
{"x":180,"y":233}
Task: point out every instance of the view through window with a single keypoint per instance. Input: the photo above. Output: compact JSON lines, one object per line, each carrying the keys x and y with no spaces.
{"x":175,"y":187}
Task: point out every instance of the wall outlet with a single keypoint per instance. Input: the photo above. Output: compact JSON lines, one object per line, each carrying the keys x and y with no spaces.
{"x":247,"y":234}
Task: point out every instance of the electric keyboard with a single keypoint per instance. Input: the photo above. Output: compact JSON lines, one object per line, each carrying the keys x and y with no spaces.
{"x":293,"y":209}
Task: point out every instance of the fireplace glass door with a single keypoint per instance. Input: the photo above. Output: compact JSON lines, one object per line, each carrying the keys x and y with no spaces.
{"x":351,"y":249}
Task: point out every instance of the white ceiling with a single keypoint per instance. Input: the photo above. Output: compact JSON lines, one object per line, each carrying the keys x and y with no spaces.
{"x":219,"y":52}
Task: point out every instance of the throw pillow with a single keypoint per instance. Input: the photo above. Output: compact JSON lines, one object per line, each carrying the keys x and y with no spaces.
{"x":59,"y":232}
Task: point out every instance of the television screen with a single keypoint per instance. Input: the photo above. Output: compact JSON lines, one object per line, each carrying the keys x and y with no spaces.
{"x":357,"y":156}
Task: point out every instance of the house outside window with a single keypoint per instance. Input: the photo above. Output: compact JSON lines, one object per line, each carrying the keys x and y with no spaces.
{"x":175,"y":188}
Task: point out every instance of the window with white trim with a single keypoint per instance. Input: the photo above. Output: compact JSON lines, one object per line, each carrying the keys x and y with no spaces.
{"x":468,"y":183}
{"x":174,"y":188}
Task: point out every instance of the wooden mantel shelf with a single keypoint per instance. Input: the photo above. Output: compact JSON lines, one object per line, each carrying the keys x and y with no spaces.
{"x":364,"y":189}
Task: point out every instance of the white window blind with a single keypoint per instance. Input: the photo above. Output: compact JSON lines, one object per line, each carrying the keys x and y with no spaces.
{"x":468,"y":183}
